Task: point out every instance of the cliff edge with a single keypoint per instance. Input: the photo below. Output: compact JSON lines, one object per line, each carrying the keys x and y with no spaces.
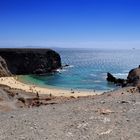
{"x":28,"y":61}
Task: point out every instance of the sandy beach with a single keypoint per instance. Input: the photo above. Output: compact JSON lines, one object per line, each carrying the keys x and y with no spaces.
{"x":14,"y":83}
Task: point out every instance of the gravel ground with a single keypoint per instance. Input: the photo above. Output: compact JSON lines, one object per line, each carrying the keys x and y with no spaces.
{"x":111,"y":116}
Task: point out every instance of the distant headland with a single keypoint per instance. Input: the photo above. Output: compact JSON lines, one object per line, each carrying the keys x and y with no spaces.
{"x":16,"y":61}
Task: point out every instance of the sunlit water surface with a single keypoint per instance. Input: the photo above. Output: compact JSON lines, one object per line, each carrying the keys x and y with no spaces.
{"x":88,"y":69}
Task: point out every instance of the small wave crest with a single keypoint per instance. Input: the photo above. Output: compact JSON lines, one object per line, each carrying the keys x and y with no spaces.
{"x":94,"y":75}
{"x":69,"y":66}
{"x":61,"y":70}
{"x":120,"y":75}
{"x":64,"y":68}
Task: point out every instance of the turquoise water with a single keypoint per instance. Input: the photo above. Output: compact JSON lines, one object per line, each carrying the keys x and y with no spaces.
{"x":88,"y":69}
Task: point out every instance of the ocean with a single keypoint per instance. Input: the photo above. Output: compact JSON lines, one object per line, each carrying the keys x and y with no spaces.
{"x":88,"y":69}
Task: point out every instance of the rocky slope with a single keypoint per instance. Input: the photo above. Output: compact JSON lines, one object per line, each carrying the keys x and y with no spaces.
{"x":3,"y":68}
{"x":28,"y":61}
{"x":111,"y":116}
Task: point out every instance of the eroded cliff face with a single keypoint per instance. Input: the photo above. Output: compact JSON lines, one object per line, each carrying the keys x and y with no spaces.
{"x":29,"y":61}
{"x":3,"y":68}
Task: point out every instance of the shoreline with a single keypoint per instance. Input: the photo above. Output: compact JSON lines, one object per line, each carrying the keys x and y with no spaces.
{"x":20,"y":79}
{"x":14,"y":83}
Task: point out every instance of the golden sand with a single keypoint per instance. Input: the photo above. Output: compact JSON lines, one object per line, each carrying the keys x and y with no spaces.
{"x":12,"y":82}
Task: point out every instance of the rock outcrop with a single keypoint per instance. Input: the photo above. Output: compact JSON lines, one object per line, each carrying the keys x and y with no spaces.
{"x":117,"y":81}
{"x":3,"y":68}
{"x":28,"y":61}
{"x":110,"y":78}
{"x":133,"y":78}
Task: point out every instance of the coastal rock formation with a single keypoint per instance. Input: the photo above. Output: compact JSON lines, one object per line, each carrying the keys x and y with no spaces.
{"x":29,"y":61}
{"x":111,"y":78}
{"x":3,"y":68}
{"x":117,"y":81}
{"x":133,"y":78}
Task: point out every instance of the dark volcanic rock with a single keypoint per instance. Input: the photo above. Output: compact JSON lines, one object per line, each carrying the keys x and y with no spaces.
{"x":117,"y":81}
{"x":110,"y":78}
{"x":31,"y":61}
{"x":133,"y":78}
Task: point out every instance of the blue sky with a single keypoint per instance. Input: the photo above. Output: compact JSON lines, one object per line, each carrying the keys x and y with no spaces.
{"x":70,"y":23}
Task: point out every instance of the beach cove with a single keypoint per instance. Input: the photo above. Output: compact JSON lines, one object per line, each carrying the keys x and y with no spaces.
{"x":14,"y":83}
{"x":52,"y":112}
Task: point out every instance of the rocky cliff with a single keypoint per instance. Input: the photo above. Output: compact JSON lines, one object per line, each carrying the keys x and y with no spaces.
{"x":134,"y":77}
{"x":3,"y":68}
{"x":28,"y":61}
